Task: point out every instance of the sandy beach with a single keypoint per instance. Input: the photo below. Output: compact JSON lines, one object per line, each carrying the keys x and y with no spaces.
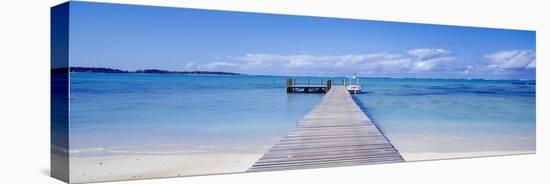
{"x":420,"y":156}
{"x":108,"y":168}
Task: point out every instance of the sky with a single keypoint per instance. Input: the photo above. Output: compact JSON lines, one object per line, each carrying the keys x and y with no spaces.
{"x":133,"y":37}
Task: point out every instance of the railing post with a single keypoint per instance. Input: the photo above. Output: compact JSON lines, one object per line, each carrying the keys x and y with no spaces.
{"x":289,"y":83}
{"x":286,"y":83}
{"x":329,"y":85}
{"x":289,"y":88}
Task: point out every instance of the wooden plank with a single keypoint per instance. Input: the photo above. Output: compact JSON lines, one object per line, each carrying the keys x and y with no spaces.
{"x":334,"y":133}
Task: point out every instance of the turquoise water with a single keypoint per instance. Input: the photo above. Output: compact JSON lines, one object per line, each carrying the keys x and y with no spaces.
{"x":423,"y":115}
{"x":171,"y":114}
{"x":148,"y":113}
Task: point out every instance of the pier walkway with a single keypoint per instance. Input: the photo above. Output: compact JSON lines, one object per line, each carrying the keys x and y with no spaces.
{"x":335,"y":133}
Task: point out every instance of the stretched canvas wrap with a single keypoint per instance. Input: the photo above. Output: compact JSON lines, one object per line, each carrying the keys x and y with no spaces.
{"x":147,"y":92}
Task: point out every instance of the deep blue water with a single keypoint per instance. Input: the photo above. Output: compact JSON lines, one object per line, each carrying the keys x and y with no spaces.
{"x":164,"y":114}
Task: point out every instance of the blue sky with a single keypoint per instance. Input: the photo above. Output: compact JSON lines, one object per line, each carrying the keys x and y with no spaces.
{"x":141,"y":37}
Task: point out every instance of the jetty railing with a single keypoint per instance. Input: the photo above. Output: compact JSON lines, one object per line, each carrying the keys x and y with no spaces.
{"x":322,"y":87}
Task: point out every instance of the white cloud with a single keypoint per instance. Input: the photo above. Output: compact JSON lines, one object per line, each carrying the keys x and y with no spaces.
{"x":512,"y":60}
{"x":423,"y":60}
{"x":189,"y":66}
{"x":432,"y":62}
{"x":441,"y":63}
{"x":216,"y":66}
{"x":428,"y":52}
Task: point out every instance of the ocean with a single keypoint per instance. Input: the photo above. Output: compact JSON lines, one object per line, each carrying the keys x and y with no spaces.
{"x":121,"y":114}
{"x":442,"y":116}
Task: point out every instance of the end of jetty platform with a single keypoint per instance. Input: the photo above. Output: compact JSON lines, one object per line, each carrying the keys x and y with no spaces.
{"x":308,"y":87}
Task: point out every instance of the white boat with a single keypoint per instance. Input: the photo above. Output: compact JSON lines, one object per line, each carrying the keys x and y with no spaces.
{"x":354,"y":88}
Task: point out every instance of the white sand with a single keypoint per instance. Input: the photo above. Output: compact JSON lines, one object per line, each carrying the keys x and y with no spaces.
{"x":107,"y":168}
{"x":412,"y":156}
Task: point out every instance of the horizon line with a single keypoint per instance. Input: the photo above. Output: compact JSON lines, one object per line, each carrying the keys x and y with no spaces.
{"x":269,"y":75}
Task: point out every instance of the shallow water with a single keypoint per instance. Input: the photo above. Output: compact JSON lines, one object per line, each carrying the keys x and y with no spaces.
{"x":423,"y":115}
{"x":148,"y":113}
{"x":173,"y":114}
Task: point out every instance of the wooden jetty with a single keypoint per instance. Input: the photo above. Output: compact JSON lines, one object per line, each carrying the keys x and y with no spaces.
{"x":292,"y":87}
{"x":335,"y":133}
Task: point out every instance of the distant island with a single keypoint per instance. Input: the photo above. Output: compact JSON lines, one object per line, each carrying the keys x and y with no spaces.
{"x":145,"y":71}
